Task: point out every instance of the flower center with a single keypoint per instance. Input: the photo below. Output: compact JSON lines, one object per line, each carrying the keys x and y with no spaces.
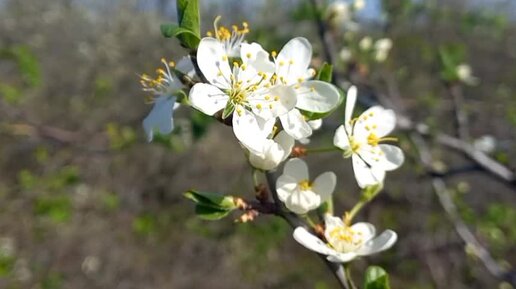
{"x":374,"y":140}
{"x":305,"y":185}
{"x":344,"y":239}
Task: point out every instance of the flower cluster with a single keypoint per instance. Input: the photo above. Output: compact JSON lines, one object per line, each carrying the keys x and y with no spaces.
{"x":271,"y":100}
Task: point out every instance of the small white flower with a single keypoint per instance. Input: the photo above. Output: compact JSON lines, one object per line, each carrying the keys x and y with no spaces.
{"x":274,"y":151}
{"x":382,"y":48}
{"x":366,"y":43}
{"x":344,"y":242}
{"x":486,"y":144}
{"x":292,"y":69}
{"x":298,"y":193}
{"x":163,"y":89}
{"x":230,"y":39}
{"x":464,"y":73}
{"x":361,"y":138}
{"x":359,"y":4}
{"x":345,"y":54}
{"x":244,"y":90}
{"x":340,"y":14}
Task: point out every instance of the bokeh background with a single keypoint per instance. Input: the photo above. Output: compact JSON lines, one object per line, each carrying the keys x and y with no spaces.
{"x":86,"y":202}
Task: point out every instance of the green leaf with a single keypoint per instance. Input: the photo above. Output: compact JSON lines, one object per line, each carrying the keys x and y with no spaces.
{"x":212,"y":200}
{"x":188,"y":17}
{"x":172,"y":30}
{"x":228,"y":110}
{"x":376,"y":278}
{"x":209,"y":213}
{"x":325,"y":72}
{"x":317,"y":115}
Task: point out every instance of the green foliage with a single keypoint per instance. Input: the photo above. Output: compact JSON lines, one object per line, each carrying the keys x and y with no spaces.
{"x":57,"y":207}
{"x":325,"y":73}
{"x":110,"y":201}
{"x":6,"y":264}
{"x":188,"y":31}
{"x":145,"y":225}
{"x":211,"y":206}
{"x":52,"y":281}
{"x":200,"y":124}
{"x":10,"y":94}
{"x":376,"y":278}
{"x":120,"y":137}
{"x":451,"y":56}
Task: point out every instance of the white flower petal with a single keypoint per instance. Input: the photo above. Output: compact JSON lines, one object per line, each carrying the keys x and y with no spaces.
{"x":377,"y":120}
{"x":351,"y":99}
{"x":324,"y":185}
{"x":301,"y":201}
{"x":285,"y":186}
{"x":381,"y":243}
{"x":366,"y":175}
{"x":317,"y":96}
{"x":250,"y":130}
{"x":341,"y":139}
{"x":207,"y":98}
{"x":341,"y":257}
{"x":393,"y":157}
{"x":213,"y":62}
{"x":274,"y":102}
{"x":160,"y":117}
{"x":185,"y":65}
{"x":311,"y":242}
{"x":293,"y":60}
{"x":274,"y":152}
{"x":315,"y":124}
{"x":254,"y":55}
{"x":332,"y":221}
{"x":295,"y":124}
{"x":366,"y":230}
{"x":297,"y":169}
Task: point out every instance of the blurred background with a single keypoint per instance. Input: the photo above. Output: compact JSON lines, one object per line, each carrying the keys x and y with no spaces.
{"x":86,"y":202}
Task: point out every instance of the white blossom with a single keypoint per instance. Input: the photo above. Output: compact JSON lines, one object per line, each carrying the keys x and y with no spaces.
{"x":340,"y":14}
{"x":164,"y":89}
{"x":245,"y":90}
{"x":231,"y":39}
{"x":292,"y":69}
{"x":299,"y":194}
{"x":345,"y":242}
{"x":274,"y":151}
{"x":360,"y":138}
{"x":382,"y":48}
{"x":366,"y":43}
{"x":465,"y":74}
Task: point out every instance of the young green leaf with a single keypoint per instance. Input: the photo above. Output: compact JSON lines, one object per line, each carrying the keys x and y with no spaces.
{"x":325,"y":73}
{"x":188,"y":17}
{"x":376,"y":278}
{"x":210,"y":213}
{"x":213,"y":200}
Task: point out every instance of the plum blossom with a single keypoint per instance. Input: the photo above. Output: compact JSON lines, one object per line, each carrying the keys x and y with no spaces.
{"x":292,"y":69}
{"x":344,"y":242}
{"x":231,"y":39}
{"x":243,"y":90}
{"x":299,"y":194}
{"x":360,"y":138}
{"x":164,"y":89}
{"x":274,"y":151}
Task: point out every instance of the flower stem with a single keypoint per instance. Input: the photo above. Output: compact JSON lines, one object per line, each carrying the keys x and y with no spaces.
{"x":309,"y":220}
{"x":358,"y":206}
{"x":348,"y":277}
{"x":321,"y":150}
{"x":256,"y":178}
